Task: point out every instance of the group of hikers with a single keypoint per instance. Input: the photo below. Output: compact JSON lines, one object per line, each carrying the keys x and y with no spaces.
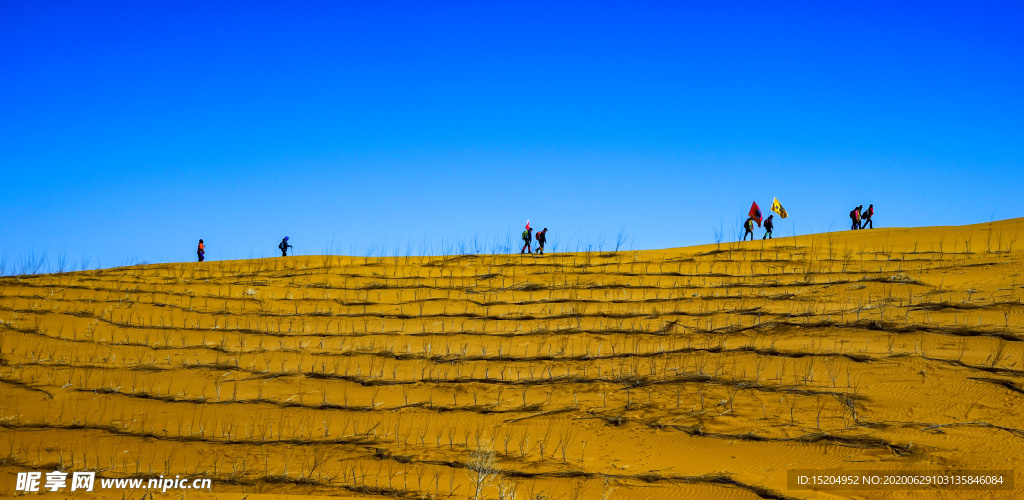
{"x":527,"y":239}
{"x":749,"y":227}
{"x":862,"y":218}
{"x":542,"y":238}
{"x":283,"y":247}
{"x":754,"y":215}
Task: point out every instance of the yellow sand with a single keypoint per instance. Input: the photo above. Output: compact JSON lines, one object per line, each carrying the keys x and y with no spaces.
{"x":702,"y":372}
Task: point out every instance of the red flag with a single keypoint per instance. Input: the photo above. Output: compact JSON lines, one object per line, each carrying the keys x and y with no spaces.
{"x":527,"y":224}
{"x":755,"y":213}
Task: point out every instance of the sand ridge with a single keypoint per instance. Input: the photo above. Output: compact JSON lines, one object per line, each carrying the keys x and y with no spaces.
{"x":701,"y":372}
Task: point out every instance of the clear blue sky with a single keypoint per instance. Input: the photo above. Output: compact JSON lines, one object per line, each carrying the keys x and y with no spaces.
{"x":129,"y":130}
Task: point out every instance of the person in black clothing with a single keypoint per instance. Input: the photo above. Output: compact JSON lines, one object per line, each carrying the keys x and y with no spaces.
{"x":284,"y":246}
{"x":542,"y":237}
{"x":527,"y":241}
{"x":768,"y":228}
{"x":865,"y":217}
{"x":201,"y":251}
{"x":749,"y":227}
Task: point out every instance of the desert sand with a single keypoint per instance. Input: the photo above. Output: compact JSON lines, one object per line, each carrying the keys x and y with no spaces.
{"x":701,"y":372}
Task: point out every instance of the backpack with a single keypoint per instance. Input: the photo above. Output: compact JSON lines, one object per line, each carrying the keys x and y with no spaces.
{"x":853,"y":213}
{"x":748,"y":225}
{"x":526,"y":236}
{"x":280,"y":246}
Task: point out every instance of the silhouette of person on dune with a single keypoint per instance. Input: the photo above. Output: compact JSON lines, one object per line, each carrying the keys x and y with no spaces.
{"x":527,"y":241}
{"x":866,"y":217}
{"x":542,"y":238}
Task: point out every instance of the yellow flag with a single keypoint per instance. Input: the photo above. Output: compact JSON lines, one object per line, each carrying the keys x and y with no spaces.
{"x":777,"y":208}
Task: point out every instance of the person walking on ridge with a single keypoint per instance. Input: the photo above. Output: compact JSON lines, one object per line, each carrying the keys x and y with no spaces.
{"x":855,"y":218}
{"x":749,"y":227}
{"x":542,"y":238}
{"x":768,"y":224}
{"x":284,"y":246}
{"x":201,"y":251}
{"x":866,"y":217}
{"x":527,"y":240}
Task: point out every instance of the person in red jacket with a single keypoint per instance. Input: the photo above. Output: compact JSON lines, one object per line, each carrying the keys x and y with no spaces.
{"x":201,"y":251}
{"x":866,"y":217}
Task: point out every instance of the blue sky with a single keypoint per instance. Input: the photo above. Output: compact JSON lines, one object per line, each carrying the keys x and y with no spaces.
{"x":129,"y":130}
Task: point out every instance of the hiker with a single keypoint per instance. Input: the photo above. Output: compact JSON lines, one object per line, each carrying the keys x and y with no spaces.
{"x":749,"y":226}
{"x":201,"y":251}
{"x":542,"y":237}
{"x":284,"y":246}
{"x":855,"y":218}
{"x":527,"y":240}
{"x":768,"y":228}
{"x":866,"y":217}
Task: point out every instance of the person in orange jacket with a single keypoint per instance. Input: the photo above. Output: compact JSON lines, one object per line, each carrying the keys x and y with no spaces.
{"x":201,"y":251}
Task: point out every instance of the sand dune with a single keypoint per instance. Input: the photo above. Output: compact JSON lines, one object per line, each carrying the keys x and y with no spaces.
{"x":703,"y":372}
